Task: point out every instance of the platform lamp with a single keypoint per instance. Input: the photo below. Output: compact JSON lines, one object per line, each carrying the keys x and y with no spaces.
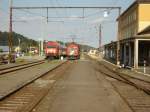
{"x":106,"y":14}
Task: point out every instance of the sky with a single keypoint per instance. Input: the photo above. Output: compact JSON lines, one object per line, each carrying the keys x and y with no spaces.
{"x":64,"y":24}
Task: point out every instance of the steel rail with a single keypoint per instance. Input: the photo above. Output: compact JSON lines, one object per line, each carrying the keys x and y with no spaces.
{"x":19,"y":67}
{"x":5,"y":68}
{"x":125,"y":79}
{"x":29,"y":82}
{"x":128,"y":81}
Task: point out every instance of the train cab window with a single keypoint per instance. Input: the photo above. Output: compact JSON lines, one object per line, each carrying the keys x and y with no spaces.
{"x":51,"y":47}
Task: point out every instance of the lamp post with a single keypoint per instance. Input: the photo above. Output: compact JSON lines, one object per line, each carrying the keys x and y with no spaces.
{"x":100,"y":37}
{"x":43,"y":34}
{"x":19,"y":44}
{"x":39,"y":47}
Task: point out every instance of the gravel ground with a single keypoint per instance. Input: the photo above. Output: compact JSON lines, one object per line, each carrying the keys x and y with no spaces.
{"x":10,"y":81}
{"x":22,"y":60}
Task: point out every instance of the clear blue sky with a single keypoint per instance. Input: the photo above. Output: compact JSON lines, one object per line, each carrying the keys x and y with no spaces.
{"x":85,"y":30}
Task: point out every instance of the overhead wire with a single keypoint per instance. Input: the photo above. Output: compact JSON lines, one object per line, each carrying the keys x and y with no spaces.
{"x":56,"y":10}
{"x":32,"y":13}
{"x":7,"y":13}
{"x":59,"y":4}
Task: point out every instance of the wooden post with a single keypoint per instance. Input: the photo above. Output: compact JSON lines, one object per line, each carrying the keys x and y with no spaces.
{"x":10,"y":31}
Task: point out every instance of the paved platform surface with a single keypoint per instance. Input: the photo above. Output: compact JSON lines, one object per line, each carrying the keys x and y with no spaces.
{"x":10,"y":81}
{"x":82,"y":89}
{"x":141,"y":69}
{"x":128,"y":72}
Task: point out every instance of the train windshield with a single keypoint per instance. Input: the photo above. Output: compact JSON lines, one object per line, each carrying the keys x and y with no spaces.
{"x":51,"y":47}
{"x":72,"y":49}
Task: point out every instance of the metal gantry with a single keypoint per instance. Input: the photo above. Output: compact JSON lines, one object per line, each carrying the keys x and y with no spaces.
{"x":67,"y":7}
{"x":47,"y":15}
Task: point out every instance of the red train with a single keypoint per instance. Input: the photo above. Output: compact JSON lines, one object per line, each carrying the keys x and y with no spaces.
{"x":73,"y":51}
{"x":54,"y":50}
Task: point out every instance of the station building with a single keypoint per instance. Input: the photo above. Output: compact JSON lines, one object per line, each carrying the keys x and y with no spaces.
{"x":133,"y":36}
{"x":111,"y":52}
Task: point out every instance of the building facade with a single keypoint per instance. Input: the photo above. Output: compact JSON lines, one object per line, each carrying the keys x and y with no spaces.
{"x":111,"y":52}
{"x":132,"y":48}
{"x":134,"y":43}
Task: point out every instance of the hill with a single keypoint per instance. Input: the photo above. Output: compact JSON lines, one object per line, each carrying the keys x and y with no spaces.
{"x":25,"y":42}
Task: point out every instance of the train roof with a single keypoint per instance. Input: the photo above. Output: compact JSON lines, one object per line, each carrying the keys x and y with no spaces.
{"x":53,"y":43}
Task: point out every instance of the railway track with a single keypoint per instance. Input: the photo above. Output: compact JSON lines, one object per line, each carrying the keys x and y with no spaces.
{"x":27,"y":97}
{"x":135,"y":92}
{"x":136,"y":82}
{"x":133,"y":95}
{"x":20,"y":67}
{"x":137,"y":100}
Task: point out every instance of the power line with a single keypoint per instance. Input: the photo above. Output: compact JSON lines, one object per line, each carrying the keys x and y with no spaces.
{"x":7,"y":13}
{"x":59,"y":4}
{"x":32,"y":13}
{"x":115,"y":2}
{"x":57,"y":12}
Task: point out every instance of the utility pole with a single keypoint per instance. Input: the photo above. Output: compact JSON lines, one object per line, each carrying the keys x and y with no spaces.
{"x":100,"y":36}
{"x":10,"y":31}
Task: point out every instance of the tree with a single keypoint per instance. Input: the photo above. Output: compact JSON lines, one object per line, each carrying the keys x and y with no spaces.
{"x":25,"y":42}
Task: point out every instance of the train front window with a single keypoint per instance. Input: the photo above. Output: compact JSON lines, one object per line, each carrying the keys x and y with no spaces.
{"x":71,"y":49}
{"x":51,"y":47}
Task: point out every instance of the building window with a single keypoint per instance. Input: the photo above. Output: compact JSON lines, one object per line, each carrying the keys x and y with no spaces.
{"x":134,"y":15}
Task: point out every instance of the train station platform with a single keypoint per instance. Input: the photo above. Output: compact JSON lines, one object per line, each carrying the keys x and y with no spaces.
{"x":136,"y":73}
{"x":141,"y":69}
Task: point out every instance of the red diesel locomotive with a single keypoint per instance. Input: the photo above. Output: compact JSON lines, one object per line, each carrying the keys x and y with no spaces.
{"x":73,"y":51}
{"x":53,"y":50}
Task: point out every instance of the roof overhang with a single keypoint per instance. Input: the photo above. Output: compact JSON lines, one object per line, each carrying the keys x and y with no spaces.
{"x":145,"y":31}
